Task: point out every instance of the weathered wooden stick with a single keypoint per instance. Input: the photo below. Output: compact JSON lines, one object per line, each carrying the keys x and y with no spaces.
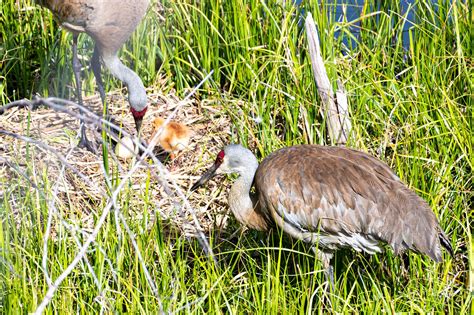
{"x":334,"y":107}
{"x":343,"y":110}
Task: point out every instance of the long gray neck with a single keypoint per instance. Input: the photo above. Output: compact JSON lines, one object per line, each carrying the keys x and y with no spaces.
{"x":136,"y":90}
{"x":240,"y":200}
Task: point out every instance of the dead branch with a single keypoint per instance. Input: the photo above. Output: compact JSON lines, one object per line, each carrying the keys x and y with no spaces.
{"x":333,"y":109}
{"x":157,"y":170}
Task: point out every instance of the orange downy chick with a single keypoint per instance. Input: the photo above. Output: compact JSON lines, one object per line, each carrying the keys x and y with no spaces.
{"x":173,"y":138}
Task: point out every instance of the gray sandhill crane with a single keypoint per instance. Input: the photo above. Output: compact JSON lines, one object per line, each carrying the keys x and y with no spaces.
{"x":109,"y":23}
{"x":331,"y":197}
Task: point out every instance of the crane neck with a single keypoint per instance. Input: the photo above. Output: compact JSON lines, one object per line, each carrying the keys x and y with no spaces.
{"x":136,"y":90}
{"x":243,"y":204}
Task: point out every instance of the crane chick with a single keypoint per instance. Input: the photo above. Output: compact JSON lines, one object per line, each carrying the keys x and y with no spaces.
{"x":173,"y":137}
{"x":331,"y":197}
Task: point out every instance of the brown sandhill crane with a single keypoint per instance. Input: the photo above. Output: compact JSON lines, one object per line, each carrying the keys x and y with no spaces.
{"x":331,"y":197}
{"x":109,"y":23}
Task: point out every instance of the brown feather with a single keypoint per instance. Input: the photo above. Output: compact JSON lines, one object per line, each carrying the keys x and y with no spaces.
{"x":173,"y":137}
{"x":108,"y":22}
{"x":340,"y":191}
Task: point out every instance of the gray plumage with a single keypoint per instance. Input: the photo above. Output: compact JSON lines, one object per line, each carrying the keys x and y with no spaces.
{"x":109,"y":23}
{"x":332,"y":197}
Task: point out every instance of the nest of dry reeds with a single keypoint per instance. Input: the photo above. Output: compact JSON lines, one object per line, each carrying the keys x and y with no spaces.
{"x":46,"y":139}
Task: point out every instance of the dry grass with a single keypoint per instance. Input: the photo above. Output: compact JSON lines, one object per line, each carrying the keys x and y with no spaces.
{"x":79,"y":199}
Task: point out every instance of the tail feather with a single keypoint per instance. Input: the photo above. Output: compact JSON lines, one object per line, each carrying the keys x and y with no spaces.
{"x":422,"y":230}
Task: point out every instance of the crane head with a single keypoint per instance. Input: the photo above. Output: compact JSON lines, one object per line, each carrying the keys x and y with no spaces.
{"x":138,"y":117}
{"x":233,"y":159}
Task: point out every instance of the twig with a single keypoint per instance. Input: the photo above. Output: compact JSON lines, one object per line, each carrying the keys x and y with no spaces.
{"x":119,"y":218}
{"x":89,"y":117}
{"x":51,"y":212}
{"x":55,"y":210}
{"x":50,"y":149}
{"x":150,"y":281}
{"x":201,"y":237}
{"x":112,"y":202}
{"x":337,"y":118}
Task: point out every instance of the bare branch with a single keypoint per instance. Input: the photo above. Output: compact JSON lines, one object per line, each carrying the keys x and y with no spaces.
{"x":112,"y":203}
{"x":336,"y":117}
{"x":52,"y":205}
{"x":51,"y":212}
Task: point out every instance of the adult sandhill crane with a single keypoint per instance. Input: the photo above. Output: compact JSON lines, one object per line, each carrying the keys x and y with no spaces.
{"x":331,"y":197}
{"x":109,"y":23}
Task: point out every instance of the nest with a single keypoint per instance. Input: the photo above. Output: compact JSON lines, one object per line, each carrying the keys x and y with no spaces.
{"x":80,"y":189}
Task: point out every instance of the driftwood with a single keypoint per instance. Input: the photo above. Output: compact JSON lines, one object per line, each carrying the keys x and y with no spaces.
{"x":335,"y":108}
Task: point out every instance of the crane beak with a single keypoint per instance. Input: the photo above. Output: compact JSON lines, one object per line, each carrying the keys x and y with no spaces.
{"x":138,"y":123}
{"x":206,"y":176}
{"x":138,"y":117}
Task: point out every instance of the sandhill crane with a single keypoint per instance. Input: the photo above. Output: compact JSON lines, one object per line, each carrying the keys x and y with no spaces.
{"x":173,"y":137}
{"x":109,"y":23}
{"x":331,"y":197}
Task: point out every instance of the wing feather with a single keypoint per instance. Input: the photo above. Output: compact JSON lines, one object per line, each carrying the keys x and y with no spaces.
{"x":340,"y":191}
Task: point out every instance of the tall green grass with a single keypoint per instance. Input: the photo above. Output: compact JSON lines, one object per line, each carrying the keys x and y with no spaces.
{"x":413,"y":109}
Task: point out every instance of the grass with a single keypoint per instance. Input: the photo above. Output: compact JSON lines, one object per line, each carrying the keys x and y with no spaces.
{"x":411,"y":108}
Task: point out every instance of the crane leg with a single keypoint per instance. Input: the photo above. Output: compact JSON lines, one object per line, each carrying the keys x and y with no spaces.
{"x":96,"y":69}
{"x":325,"y":258}
{"x":329,"y":272}
{"x":76,"y":66}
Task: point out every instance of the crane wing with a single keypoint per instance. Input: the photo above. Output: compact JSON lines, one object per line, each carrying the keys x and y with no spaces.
{"x":345,"y":198}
